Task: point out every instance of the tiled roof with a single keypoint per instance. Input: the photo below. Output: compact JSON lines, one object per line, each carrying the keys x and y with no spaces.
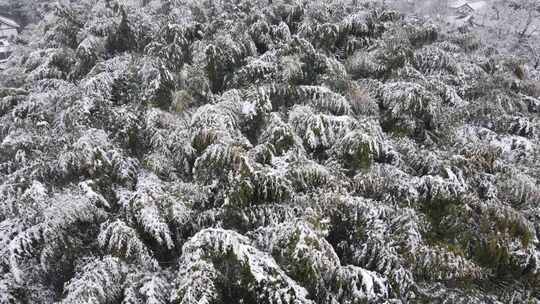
{"x":473,"y":5}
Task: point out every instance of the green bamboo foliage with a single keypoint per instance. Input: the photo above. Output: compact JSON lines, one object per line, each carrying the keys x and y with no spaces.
{"x":265,"y":152}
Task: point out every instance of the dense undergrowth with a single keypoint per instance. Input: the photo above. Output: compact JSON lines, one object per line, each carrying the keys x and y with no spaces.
{"x":265,"y":152}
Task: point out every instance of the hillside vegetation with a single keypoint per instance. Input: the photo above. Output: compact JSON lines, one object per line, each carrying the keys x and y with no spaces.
{"x":254,"y":151}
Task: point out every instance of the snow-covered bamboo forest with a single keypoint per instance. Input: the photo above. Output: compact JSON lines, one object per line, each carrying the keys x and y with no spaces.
{"x":268,"y":151}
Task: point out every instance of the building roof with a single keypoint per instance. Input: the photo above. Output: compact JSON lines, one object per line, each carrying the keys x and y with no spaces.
{"x":458,"y":3}
{"x":477,"y":5}
{"x":9,"y":22}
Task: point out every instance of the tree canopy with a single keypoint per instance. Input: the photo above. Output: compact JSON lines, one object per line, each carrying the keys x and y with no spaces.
{"x":255,"y":151}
